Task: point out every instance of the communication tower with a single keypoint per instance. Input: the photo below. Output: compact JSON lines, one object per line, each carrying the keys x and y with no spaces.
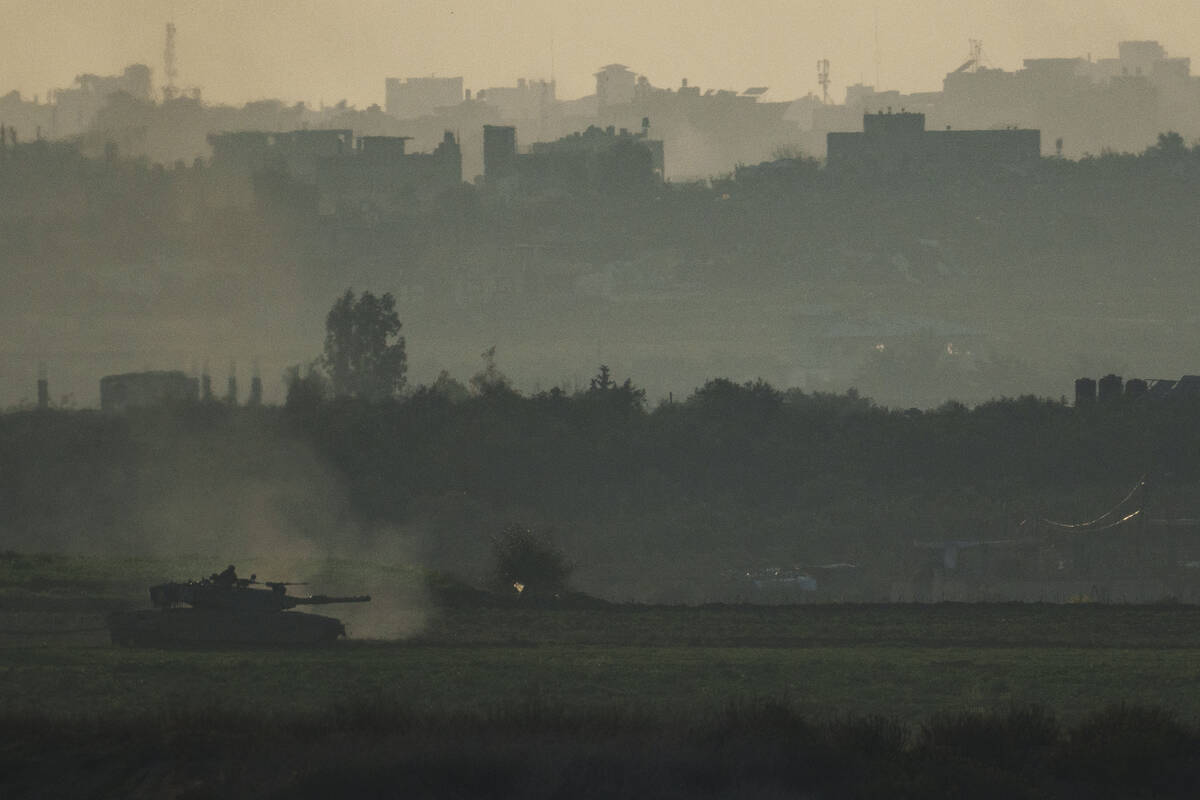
{"x":976,"y":54}
{"x":823,"y":79}
{"x":974,"y":61}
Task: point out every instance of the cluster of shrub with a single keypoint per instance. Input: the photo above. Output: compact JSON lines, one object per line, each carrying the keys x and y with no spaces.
{"x":535,"y":748}
{"x":735,"y":470}
{"x":747,"y":444}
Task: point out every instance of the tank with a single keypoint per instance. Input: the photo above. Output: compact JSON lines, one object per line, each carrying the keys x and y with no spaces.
{"x":226,"y":609}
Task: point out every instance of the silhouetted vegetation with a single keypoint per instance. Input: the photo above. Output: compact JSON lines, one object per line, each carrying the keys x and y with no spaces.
{"x":981,"y":270}
{"x":536,"y":748}
{"x":653,"y":503}
{"x":527,"y":563}
{"x":364,"y":352}
{"x":669,"y":616}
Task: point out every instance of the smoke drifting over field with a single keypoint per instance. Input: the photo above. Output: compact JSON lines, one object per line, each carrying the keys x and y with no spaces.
{"x":272,"y":508}
{"x":210,"y":493}
{"x":961,"y":257}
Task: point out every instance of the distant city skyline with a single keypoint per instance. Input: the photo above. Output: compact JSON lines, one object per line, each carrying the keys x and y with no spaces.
{"x":320,"y":51}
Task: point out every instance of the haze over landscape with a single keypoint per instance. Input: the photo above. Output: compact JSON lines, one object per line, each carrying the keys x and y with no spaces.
{"x":259,"y":302}
{"x":317,"y":50}
{"x":177,"y":229}
{"x":672,"y":399}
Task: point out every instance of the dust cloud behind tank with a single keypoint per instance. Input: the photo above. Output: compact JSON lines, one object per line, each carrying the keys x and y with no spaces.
{"x":226,"y":609}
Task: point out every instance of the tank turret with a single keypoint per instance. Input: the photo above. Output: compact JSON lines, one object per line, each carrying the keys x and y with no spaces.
{"x":224,"y":608}
{"x":227,"y":592}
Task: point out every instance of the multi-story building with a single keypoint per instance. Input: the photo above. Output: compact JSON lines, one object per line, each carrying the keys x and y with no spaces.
{"x":528,"y":100}
{"x":76,"y":107}
{"x":893,"y":142}
{"x":413,"y":98}
{"x":597,"y":159}
{"x":615,"y":86}
{"x":348,"y":176}
{"x":381,"y":179}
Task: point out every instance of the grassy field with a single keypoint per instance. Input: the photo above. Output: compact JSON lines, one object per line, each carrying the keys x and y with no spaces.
{"x":908,"y":683}
{"x":905,"y":661}
{"x":656,"y":671}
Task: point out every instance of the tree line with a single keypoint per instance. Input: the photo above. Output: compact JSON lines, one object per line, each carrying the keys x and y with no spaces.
{"x":735,"y":473}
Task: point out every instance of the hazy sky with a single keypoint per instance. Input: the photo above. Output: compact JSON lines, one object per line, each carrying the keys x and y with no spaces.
{"x":327,"y":50}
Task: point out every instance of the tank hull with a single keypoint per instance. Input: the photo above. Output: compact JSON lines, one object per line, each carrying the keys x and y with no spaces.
{"x":194,"y":626}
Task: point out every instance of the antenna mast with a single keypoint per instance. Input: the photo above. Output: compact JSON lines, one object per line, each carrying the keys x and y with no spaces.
{"x":976,"y":58}
{"x":823,"y":79}
{"x":169,"y":91}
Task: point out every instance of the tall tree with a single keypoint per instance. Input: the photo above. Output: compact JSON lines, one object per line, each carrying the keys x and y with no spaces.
{"x":606,"y":392}
{"x":364,"y":351}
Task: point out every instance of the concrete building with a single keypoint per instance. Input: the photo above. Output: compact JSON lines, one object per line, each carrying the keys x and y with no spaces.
{"x":528,"y":100}
{"x":898,"y":142}
{"x":382,"y":179}
{"x":372,"y":175}
{"x":28,"y":118}
{"x":412,"y":98}
{"x":499,"y":152}
{"x":596,"y":159}
{"x":615,"y":86}
{"x":146,"y":389}
{"x":1088,"y":105}
{"x":77,"y":106}
{"x":1079,"y":104}
{"x":294,"y":153}
{"x":706,"y":130}
{"x":297,"y":153}
{"x":241,"y":152}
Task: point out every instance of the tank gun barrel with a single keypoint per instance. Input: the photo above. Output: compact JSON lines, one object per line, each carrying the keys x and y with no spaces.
{"x":323,"y":599}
